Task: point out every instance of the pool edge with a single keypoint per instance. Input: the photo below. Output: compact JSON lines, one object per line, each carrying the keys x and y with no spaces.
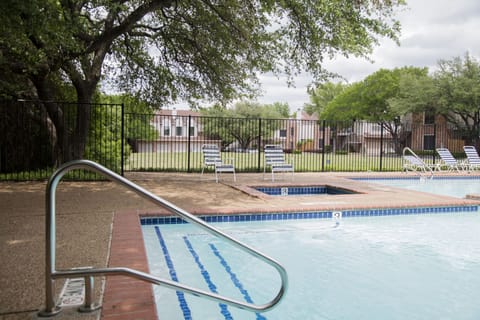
{"x":124,"y":297}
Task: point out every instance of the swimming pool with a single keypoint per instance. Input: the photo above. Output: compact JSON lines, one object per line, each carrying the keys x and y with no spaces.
{"x":453,"y":186}
{"x":394,"y":267}
{"x":303,"y":190}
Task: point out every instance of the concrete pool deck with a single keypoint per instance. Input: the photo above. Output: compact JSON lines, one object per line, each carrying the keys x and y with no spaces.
{"x":87,"y":211}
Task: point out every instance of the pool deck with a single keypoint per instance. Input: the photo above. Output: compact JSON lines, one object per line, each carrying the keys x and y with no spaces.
{"x":98,"y":225}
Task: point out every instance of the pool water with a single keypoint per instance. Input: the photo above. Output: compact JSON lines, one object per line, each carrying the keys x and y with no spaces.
{"x":394,"y":267}
{"x":457,"y":187}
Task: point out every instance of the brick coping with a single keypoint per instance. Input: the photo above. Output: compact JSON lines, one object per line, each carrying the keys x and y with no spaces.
{"x":124,"y":297}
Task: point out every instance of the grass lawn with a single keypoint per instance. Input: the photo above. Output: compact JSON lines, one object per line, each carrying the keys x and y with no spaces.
{"x":252,"y":162}
{"x":244,"y":162}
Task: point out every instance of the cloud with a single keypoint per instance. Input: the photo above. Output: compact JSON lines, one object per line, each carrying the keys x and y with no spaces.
{"x":431,"y":30}
{"x":275,"y":89}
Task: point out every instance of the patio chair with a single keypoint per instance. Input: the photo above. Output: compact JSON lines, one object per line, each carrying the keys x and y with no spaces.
{"x":412,"y":162}
{"x":449,"y":161}
{"x":473,"y":159}
{"x":275,"y":159}
{"x":212,"y":158}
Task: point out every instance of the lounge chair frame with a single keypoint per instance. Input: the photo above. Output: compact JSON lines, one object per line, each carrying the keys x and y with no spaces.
{"x":412,"y":162}
{"x":449,"y":161}
{"x":275,"y":160}
{"x":473,"y":159}
{"x":213,"y":158}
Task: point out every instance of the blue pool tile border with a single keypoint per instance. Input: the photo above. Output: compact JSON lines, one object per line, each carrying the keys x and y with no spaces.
{"x":302,"y":190}
{"x":247,"y":217}
{"x":476,"y":177}
{"x":278,"y":191}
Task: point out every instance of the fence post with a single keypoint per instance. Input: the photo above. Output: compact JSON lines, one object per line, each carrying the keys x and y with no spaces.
{"x":323,"y":145}
{"x":434,"y":141}
{"x":122,"y":133}
{"x":259,"y":143}
{"x":189,"y":140}
{"x":381,"y":146}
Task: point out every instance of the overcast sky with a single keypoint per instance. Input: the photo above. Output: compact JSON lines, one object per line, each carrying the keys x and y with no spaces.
{"x":431,"y":30}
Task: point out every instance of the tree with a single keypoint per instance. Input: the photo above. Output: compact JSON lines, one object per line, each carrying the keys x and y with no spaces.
{"x":371,"y":100}
{"x":453,"y":91}
{"x":166,"y":50}
{"x":241,"y":123}
{"x":322,"y":95}
{"x":138,"y":116}
{"x":344,"y":106}
{"x":418,"y":93}
{"x":276,"y":110}
{"x":457,"y":82}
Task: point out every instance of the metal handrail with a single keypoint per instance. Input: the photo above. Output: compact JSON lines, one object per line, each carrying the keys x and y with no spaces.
{"x":51,"y":273}
{"x":425,"y":166}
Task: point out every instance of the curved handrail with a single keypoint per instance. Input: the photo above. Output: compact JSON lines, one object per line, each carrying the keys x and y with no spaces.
{"x":424,"y":167}
{"x":51,"y":273}
{"x":407,"y":149}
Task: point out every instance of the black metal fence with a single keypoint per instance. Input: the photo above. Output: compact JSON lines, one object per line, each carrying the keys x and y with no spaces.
{"x":36,"y":137}
{"x":34,"y":140}
{"x":311,"y":144}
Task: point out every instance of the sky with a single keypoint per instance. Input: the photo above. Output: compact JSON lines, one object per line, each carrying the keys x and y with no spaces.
{"x":432,"y":30}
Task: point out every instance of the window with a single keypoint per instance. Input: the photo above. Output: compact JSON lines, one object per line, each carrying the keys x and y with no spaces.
{"x":429,"y":118}
{"x":178,"y":131}
{"x":376,"y":128}
{"x":283,"y":133}
{"x":320,"y":143}
{"x":191,"y":131}
{"x":166,"y":127}
{"x":428,"y":142}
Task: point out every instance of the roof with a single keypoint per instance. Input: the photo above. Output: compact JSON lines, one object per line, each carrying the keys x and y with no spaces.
{"x":180,"y":112}
{"x":306,"y":116}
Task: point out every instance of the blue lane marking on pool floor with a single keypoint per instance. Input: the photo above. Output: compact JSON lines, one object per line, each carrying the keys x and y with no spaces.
{"x":206,"y":276}
{"x":173,"y":274}
{"x":234,"y":278}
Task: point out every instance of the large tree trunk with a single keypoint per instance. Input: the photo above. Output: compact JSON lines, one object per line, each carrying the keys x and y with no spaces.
{"x":56,"y":120}
{"x":85,"y":81}
{"x":70,"y":137}
{"x":85,"y":91}
{"x":82,"y":126}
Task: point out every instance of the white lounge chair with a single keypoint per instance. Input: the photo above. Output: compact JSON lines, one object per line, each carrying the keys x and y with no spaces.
{"x":449,"y":161}
{"x":473,"y":159}
{"x":275,"y":159}
{"x":212,"y":158}
{"x":412,"y":162}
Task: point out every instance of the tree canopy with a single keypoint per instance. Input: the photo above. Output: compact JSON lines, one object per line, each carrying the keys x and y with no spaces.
{"x":321,"y":96}
{"x":458,"y":84}
{"x":452,"y":91}
{"x":370,"y":99}
{"x":165,"y":50}
{"x":189,"y":49}
{"x":241,"y":123}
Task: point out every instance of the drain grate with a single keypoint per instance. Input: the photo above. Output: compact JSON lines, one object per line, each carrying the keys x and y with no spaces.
{"x":73,"y":292}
